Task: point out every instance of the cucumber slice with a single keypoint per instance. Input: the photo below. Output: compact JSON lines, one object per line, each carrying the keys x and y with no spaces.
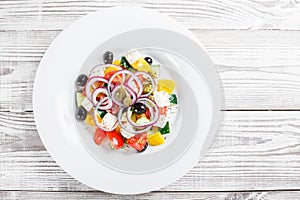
{"x":165,"y":129}
{"x":79,"y":98}
{"x":173,"y":99}
{"x":156,"y":71}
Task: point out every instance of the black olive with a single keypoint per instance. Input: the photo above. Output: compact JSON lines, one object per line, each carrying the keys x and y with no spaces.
{"x":139,"y":108}
{"x":81,"y":113}
{"x":145,"y":147}
{"x":108,"y":57}
{"x":81,"y":80}
{"x":148,"y":60}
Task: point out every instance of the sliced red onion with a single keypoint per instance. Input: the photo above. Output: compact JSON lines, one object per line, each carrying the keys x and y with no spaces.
{"x":99,"y":69}
{"x":138,"y":83}
{"x":134,"y":86}
{"x":90,"y":82}
{"x":129,"y":92}
{"x":96,"y":92}
{"x":104,"y":104}
{"x":123,"y":73}
{"x":143,"y":130}
{"x":114,"y":109}
{"x":153,"y":109}
{"x":148,"y":76}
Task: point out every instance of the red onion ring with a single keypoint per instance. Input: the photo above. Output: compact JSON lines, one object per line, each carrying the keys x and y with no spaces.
{"x":136,"y":89}
{"x":97,"y":91}
{"x":150,"y":78}
{"x":153,"y":109}
{"x":123,"y":73}
{"x":90,"y":82}
{"x":101,"y":106}
{"x":102,"y":67}
{"x":138,"y":83}
{"x":122,"y":126}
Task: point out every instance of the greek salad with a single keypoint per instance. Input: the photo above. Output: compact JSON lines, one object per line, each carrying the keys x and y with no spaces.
{"x":127,"y":102}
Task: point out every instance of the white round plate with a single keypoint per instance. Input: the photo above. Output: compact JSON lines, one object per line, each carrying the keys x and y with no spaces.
{"x":75,"y":49}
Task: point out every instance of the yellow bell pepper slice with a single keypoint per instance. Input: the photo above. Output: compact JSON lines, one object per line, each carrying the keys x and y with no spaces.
{"x":118,"y":129}
{"x":142,"y":65}
{"x":110,"y":69}
{"x":117,"y":62}
{"x":90,"y":120}
{"x":134,"y":117}
{"x":155,"y":139}
{"x":166,"y":85}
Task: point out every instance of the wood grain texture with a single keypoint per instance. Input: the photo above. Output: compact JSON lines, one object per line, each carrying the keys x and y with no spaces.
{"x":252,"y":151}
{"x":256,"y":47}
{"x":258,"y":69}
{"x":231,"y":14}
{"x":286,"y":195}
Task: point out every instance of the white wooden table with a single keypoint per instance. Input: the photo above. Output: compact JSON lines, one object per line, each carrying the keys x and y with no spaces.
{"x":256,"y":48}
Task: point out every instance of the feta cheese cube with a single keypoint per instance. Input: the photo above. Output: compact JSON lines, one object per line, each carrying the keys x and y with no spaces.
{"x":87,"y":104}
{"x":127,"y":131}
{"x":170,"y":116}
{"x":109,"y":121}
{"x":172,"y":112}
{"x":161,"y":121}
{"x":132,"y":56}
{"x":162,"y":99}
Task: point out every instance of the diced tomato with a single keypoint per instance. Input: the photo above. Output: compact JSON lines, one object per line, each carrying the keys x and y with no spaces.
{"x":83,"y":93}
{"x":138,"y":142}
{"x":98,"y":84}
{"x":99,"y":136}
{"x":115,"y":139}
{"x":147,"y":113}
{"x":100,"y":96}
{"x":109,"y":74}
{"x":163,"y":111}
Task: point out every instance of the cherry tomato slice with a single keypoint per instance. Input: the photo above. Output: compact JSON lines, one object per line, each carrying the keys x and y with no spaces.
{"x":109,"y":74}
{"x":138,"y":142}
{"x":100,"y":96}
{"x":115,"y":139}
{"x":99,"y":136}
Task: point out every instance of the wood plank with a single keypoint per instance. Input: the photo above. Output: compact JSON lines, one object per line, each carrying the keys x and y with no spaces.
{"x":258,"y":69}
{"x":232,"y":14}
{"x":253,"y":151}
{"x":18,"y":133}
{"x":225,"y":47}
{"x":16,"y":85}
{"x":286,"y":195}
